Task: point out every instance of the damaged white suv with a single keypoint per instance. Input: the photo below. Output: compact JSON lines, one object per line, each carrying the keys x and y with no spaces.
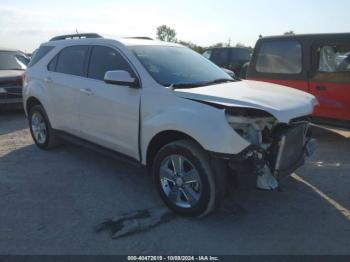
{"x":167,"y":108}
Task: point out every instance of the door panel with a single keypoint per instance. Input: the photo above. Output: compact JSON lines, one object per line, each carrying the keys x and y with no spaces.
{"x":65,"y":72}
{"x":330,"y":79}
{"x":333,"y":96}
{"x":109,"y":116}
{"x":64,"y":93}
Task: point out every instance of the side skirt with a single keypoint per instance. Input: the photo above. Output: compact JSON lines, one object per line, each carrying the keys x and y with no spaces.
{"x":100,"y":149}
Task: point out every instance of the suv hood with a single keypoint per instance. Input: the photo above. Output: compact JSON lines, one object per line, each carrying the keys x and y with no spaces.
{"x":282,"y":102}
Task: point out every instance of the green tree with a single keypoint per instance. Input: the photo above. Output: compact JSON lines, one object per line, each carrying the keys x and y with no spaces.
{"x":197,"y":48}
{"x":165,"y":33}
{"x":220,"y":44}
{"x":289,"y":33}
{"x":241,"y":45}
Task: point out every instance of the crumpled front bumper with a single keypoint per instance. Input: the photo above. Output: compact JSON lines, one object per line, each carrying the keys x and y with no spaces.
{"x":294,"y":144}
{"x":291,"y":145}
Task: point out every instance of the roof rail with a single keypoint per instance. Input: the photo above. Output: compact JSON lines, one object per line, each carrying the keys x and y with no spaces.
{"x":73,"y":36}
{"x":139,"y":37}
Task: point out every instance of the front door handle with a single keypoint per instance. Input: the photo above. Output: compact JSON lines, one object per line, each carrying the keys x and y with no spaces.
{"x":321,"y":88}
{"x":86,"y":91}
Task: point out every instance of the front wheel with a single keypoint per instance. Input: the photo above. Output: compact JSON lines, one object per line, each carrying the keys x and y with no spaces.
{"x":185,"y":179}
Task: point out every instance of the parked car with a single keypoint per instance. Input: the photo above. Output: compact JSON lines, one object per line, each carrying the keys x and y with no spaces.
{"x":166,"y":107}
{"x":231,"y":58}
{"x":12,"y":66}
{"x":318,"y":64}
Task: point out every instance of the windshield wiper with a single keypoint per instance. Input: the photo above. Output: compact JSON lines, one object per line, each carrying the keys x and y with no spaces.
{"x":220,"y":80}
{"x":203,"y":83}
{"x":186,"y":85}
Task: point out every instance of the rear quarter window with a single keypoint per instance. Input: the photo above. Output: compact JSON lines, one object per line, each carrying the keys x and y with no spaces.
{"x":39,"y":54}
{"x":279,"y":57}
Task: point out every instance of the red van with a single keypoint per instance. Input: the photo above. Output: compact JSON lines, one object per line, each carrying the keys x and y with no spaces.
{"x":317,"y":63}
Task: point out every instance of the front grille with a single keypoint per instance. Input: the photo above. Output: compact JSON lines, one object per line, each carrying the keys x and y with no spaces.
{"x":288,"y":153}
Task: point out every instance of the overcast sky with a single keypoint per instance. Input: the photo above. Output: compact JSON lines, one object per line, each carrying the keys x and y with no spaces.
{"x":25,"y":24}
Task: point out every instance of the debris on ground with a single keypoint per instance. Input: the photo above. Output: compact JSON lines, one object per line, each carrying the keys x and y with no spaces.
{"x":135,"y":222}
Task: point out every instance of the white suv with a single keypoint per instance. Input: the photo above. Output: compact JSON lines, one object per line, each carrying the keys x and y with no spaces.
{"x":170,"y":109}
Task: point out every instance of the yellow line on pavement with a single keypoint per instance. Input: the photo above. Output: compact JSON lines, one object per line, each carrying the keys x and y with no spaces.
{"x":343,"y":210}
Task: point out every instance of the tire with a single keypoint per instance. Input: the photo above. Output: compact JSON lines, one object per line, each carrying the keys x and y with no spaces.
{"x":191,"y":188}
{"x":39,"y":123}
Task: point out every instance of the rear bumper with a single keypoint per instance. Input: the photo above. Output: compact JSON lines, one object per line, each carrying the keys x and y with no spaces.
{"x":10,"y":95}
{"x":6,"y":101}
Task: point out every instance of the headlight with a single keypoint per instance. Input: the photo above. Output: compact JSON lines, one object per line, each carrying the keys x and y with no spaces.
{"x":251,"y":128}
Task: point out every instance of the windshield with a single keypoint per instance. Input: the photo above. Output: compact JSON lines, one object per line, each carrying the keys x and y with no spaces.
{"x":176,"y":66}
{"x":13,"y":61}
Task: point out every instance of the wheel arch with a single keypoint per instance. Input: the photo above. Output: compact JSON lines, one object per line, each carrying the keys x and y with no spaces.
{"x":161,"y":139}
{"x":30,"y":102}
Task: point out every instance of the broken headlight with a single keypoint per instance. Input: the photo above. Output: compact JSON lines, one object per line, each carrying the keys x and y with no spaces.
{"x":255,"y":128}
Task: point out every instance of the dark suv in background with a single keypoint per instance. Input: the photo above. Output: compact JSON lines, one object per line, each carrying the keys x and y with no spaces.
{"x":317,"y":63}
{"x":231,"y":58}
{"x":12,"y":66}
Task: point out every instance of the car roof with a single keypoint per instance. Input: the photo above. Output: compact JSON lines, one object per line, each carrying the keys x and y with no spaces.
{"x":233,"y":48}
{"x":126,"y":41}
{"x":305,"y":36}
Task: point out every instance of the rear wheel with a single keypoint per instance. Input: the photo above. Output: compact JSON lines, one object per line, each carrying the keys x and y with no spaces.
{"x":40,"y":128}
{"x":185,"y":179}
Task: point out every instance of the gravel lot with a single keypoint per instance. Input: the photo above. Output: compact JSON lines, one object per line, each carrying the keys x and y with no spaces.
{"x":52,"y":201}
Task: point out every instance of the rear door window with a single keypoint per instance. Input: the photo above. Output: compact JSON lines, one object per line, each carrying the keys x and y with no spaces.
{"x":105,"y":59}
{"x":71,"y":60}
{"x":280,"y":57}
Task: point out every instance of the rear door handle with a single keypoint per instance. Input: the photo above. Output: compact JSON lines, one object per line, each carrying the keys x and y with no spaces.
{"x":86,"y":91}
{"x":321,"y":88}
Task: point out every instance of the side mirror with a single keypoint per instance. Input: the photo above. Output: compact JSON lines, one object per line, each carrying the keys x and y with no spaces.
{"x":120,"y":77}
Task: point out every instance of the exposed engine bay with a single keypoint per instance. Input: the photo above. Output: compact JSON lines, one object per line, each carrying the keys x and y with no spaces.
{"x":277,"y":149}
